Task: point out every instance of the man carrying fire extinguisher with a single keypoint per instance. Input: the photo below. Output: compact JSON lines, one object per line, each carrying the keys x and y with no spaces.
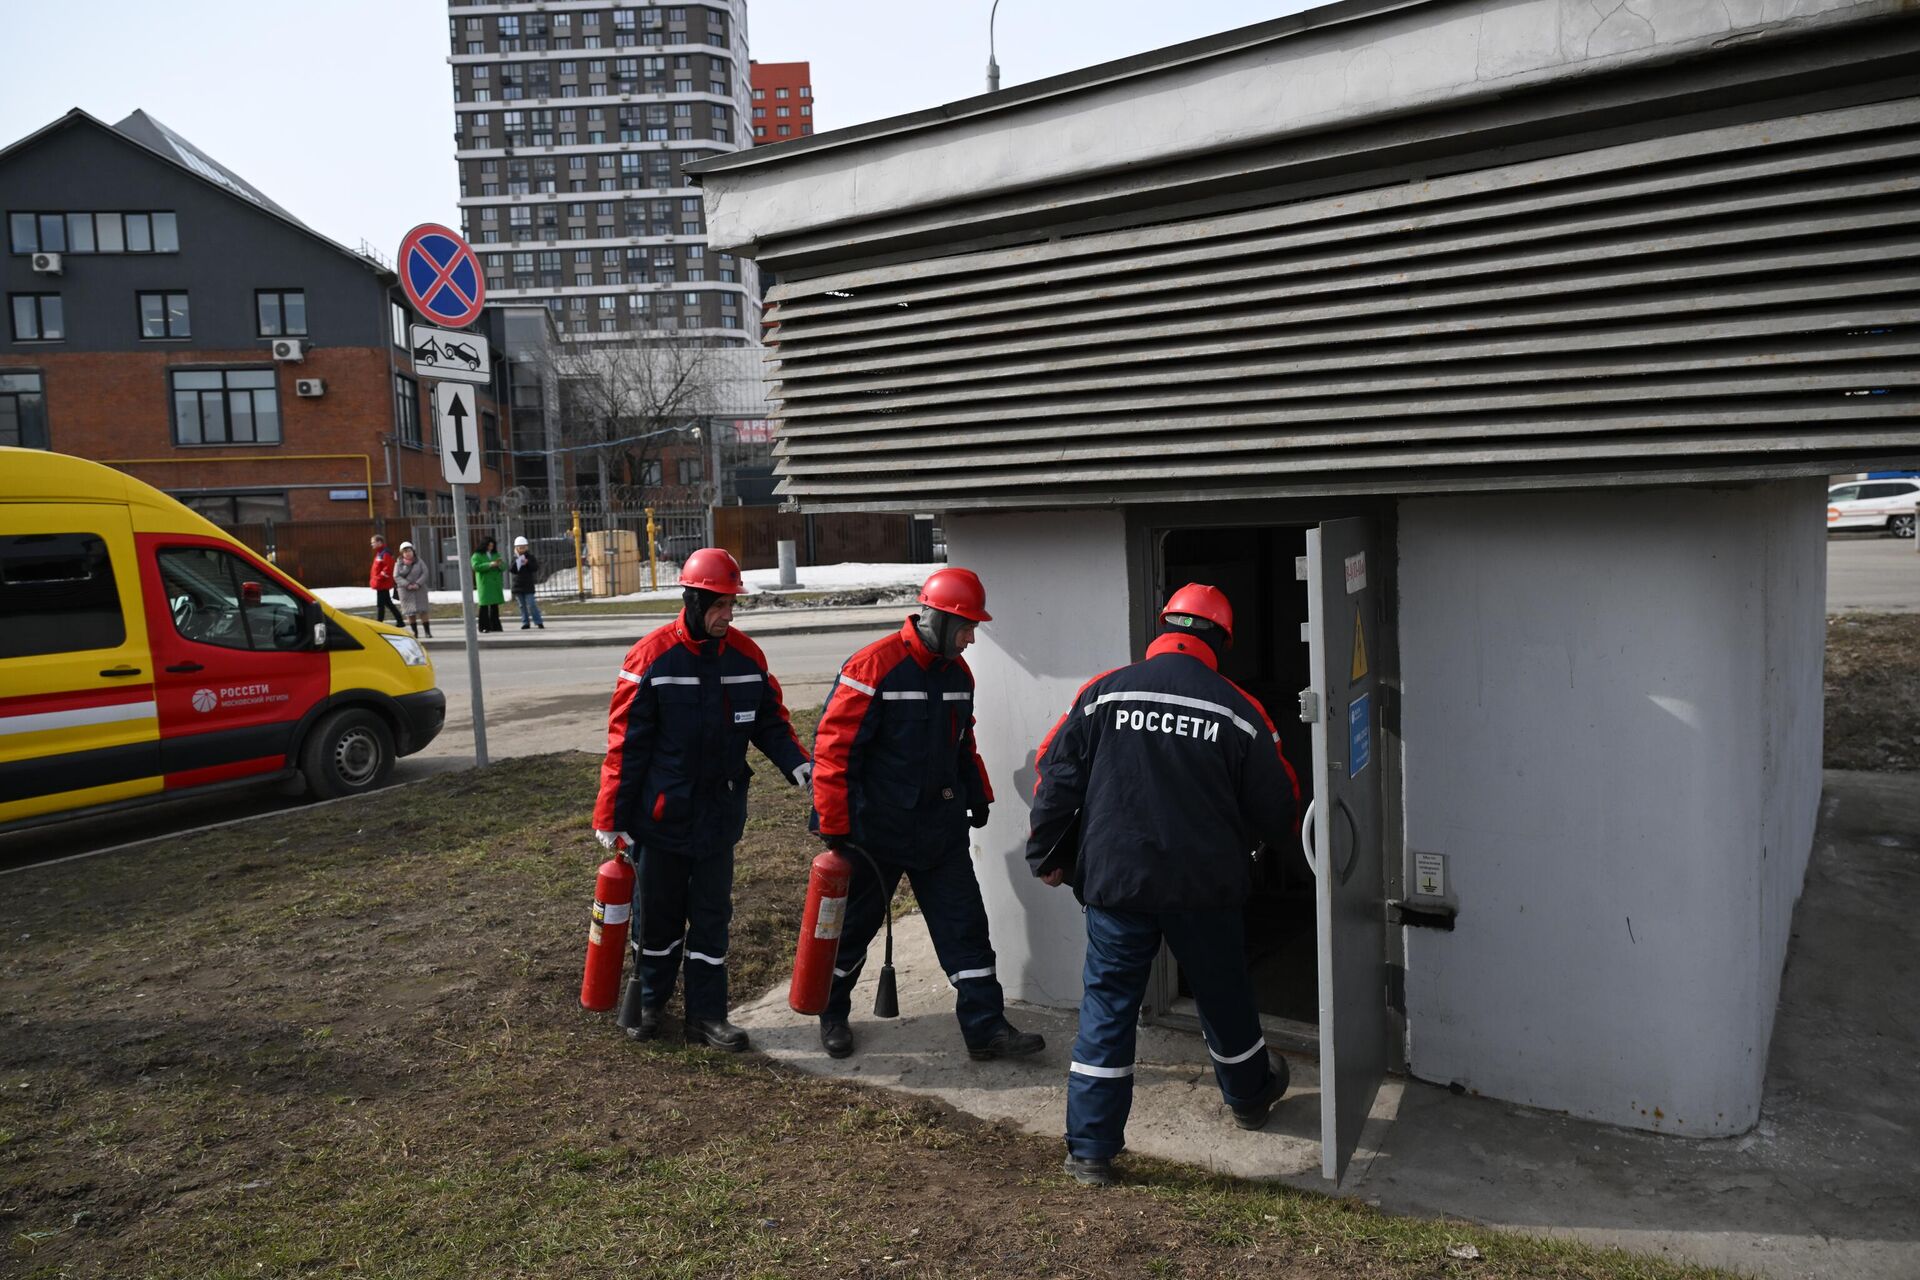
{"x":1171,"y":776}
{"x":690,"y":697}
{"x":896,"y":774}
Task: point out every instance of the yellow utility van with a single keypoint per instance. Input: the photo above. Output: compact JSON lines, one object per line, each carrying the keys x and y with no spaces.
{"x":145,"y":654}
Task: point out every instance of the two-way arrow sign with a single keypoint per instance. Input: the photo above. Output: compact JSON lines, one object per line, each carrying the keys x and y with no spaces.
{"x":452,"y":406}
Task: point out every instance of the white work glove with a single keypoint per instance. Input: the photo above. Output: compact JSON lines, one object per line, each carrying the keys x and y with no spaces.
{"x":618,"y":841}
{"x":803,"y":774}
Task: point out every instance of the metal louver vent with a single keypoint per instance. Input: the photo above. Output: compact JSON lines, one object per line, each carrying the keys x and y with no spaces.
{"x":1718,"y":302}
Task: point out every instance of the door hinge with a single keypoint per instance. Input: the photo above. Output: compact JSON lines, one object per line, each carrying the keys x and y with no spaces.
{"x":1309,"y":706}
{"x":1397,"y":989}
{"x":1299,"y":568}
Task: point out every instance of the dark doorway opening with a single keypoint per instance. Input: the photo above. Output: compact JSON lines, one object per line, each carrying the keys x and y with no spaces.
{"x":1255,"y":566}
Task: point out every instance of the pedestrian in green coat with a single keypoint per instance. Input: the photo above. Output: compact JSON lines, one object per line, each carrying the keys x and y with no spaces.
{"x":488,"y":593}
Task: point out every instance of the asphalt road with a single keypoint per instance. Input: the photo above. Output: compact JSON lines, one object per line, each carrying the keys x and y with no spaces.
{"x":541,"y":700}
{"x":1871,"y":573}
{"x":537,"y":700}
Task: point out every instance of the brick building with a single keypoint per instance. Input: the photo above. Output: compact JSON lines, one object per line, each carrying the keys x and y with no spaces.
{"x":166,"y":317}
{"x":782,"y":100}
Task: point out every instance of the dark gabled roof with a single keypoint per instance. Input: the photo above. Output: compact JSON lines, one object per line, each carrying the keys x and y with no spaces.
{"x":154,"y":136}
{"x":149,"y":135}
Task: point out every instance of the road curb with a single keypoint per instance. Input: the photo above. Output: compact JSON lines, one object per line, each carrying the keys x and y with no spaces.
{"x":563,"y":641}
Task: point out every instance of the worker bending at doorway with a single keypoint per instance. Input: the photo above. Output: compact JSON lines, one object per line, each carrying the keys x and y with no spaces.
{"x":896,"y":774}
{"x":690,"y":697}
{"x":1169,"y":776}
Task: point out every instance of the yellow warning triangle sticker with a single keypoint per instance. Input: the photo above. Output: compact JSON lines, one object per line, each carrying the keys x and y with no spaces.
{"x":1359,"y":649}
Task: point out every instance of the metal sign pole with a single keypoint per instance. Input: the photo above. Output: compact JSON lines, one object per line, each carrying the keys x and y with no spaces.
{"x":472,"y":623}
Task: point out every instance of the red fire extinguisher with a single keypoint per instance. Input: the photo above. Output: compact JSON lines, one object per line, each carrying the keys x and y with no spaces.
{"x":607,"y":936}
{"x":820,"y":926}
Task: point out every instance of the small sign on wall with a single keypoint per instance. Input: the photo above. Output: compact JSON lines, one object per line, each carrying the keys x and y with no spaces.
{"x":1430,"y":875}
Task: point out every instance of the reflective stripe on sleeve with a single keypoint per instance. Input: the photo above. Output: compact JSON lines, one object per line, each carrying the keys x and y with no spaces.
{"x":855,"y":685}
{"x":631,"y":677}
{"x":1101,"y":1073}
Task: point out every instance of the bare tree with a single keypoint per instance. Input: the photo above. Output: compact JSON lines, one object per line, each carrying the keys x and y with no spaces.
{"x":625,"y":398}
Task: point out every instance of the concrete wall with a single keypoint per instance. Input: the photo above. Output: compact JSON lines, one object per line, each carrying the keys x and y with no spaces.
{"x":1057,"y":589}
{"x":1612,"y":726}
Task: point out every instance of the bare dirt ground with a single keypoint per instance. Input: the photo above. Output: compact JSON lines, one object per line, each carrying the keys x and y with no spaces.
{"x":1873,"y":691}
{"x":347,"y":1040}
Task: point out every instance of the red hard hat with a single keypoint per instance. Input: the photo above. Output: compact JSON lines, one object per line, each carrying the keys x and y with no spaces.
{"x":957,"y":591}
{"x":712,"y":569}
{"x":1197,"y":600}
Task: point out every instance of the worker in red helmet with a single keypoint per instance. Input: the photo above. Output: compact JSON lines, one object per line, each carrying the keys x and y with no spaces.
{"x":1168,"y":776}
{"x":896,"y":774}
{"x":689,"y":699}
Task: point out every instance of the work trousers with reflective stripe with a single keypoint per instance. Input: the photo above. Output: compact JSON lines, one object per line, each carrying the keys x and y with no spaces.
{"x":683,"y":906}
{"x":1121,"y":945}
{"x":949,"y":899}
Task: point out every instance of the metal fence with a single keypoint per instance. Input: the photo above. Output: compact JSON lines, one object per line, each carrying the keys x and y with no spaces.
{"x":607,"y":554}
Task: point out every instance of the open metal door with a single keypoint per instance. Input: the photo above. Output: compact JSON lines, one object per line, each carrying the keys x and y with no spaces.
{"x":1344,"y":830}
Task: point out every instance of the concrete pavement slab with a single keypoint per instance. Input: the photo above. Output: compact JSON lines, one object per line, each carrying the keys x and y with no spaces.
{"x":1824,"y":1186}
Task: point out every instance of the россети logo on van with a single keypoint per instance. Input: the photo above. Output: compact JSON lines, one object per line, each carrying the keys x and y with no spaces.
{"x":239,"y":695}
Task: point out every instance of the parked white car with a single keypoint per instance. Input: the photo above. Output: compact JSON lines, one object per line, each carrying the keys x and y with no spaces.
{"x":1874,"y":504}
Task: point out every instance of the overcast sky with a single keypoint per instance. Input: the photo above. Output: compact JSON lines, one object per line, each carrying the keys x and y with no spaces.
{"x":342,"y":110}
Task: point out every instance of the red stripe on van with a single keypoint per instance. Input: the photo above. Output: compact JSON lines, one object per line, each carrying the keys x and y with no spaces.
{"x":74,"y":700}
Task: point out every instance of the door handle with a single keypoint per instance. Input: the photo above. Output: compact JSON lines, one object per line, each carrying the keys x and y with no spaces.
{"x":1306,"y":837}
{"x":185,"y":668}
{"x":121,"y":671}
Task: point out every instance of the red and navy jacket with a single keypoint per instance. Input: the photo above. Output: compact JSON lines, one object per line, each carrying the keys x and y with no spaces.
{"x":684,"y":710}
{"x":1177,"y":775}
{"x":380,"y":575}
{"x":894,"y":765}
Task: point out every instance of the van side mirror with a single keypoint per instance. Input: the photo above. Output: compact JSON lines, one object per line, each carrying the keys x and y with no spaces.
{"x":313,"y":621}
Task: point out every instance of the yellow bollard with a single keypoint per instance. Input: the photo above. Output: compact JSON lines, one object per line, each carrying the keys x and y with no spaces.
{"x":579,"y":576}
{"x":653,"y":569}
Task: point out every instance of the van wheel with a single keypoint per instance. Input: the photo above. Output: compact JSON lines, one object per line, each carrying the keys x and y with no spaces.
{"x":348,"y":752}
{"x":1900,"y":526}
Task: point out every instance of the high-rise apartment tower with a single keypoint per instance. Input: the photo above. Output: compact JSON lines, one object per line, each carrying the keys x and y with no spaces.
{"x":573,"y":121}
{"x":782,"y":100}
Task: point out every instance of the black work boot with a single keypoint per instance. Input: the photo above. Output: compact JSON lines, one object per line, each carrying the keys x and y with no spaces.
{"x":716,"y":1032}
{"x":648,"y":1027}
{"x":1008,"y":1043}
{"x":1254,"y":1115}
{"x":1089,"y":1171}
{"x":836,"y":1037}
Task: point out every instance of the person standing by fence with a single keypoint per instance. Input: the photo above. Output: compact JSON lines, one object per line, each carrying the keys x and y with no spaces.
{"x":410,"y":576}
{"x":488,"y":569}
{"x":524,"y":571}
{"x":380,"y":578}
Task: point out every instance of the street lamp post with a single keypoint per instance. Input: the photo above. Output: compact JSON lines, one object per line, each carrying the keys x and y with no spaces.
{"x":993,"y":64}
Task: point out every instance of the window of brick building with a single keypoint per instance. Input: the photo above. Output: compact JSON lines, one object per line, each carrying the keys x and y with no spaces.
{"x":225,"y":406}
{"x":164,"y":315}
{"x":23,"y":411}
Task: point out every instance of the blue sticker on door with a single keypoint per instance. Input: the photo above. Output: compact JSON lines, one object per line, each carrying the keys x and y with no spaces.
{"x":1359,"y":734}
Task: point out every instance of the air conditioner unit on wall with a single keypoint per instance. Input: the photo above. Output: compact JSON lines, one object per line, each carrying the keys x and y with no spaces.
{"x":309,"y":387}
{"x":47,"y":264}
{"x":293,"y":349}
